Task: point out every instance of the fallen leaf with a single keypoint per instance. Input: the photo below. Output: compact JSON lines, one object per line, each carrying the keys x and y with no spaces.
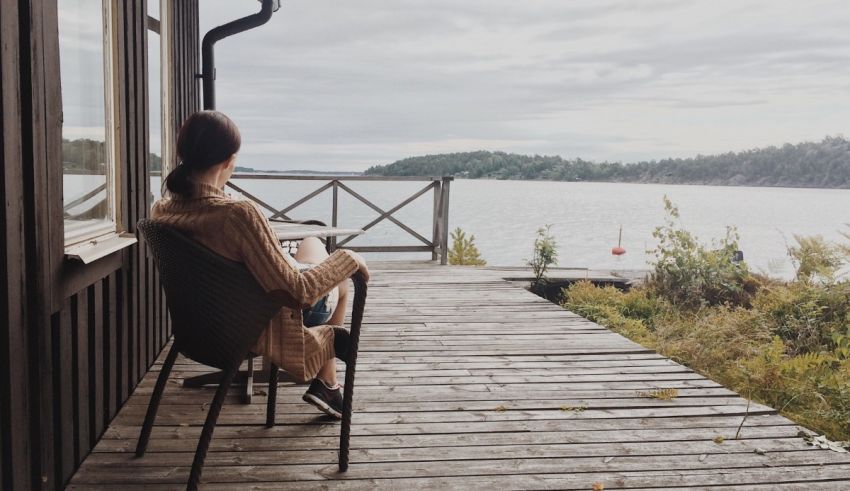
{"x":607,"y":459}
{"x":703,"y":457}
{"x":660,"y":394}
{"x":577,"y":409}
{"x":501,"y":409}
{"x":760,"y":451}
{"x":719,"y":439}
{"x":598,"y":486}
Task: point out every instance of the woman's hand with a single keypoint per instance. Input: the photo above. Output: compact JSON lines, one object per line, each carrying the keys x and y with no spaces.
{"x":361,"y":265}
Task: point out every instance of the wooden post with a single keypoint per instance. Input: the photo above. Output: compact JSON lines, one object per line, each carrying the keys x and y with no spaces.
{"x":334,"y":215}
{"x":435,"y":237}
{"x":444,"y":244}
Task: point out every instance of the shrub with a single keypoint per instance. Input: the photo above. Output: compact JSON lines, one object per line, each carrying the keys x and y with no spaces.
{"x":463,"y":251}
{"x":545,"y":254}
{"x":815,"y":259}
{"x":637,"y":303}
{"x":692,"y":275}
{"x":713,"y":340}
{"x":807,"y":316}
{"x":813,"y":388}
{"x":629,"y":314}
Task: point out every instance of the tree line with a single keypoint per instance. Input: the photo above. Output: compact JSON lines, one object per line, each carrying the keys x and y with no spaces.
{"x":824,"y":164}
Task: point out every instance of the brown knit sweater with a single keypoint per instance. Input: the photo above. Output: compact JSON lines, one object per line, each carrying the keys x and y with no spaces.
{"x":238,"y":231}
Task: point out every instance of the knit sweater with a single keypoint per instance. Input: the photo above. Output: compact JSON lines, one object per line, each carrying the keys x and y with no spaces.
{"x":238,"y":231}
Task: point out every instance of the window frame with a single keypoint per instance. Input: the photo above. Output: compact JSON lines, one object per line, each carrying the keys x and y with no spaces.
{"x":96,"y":234}
{"x":164,"y":31}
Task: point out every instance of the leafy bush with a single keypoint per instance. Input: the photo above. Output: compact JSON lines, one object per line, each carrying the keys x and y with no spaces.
{"x":806,"y":315}
{"x":692,"y":275}
{"x":637,"y":303}
{"x":545,"y":254}
{"x":815,"y":259}
{"x":712,"y":340}
{"x":813,"y":388}
{"x":463,"y":251}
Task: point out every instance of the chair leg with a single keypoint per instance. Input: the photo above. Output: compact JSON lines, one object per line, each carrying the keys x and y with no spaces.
{"x":271,"y":405}
{"x":153,"y":406}
{"x":248,"y":395}
{"x":350,"y":366}
{"x":209,"y":426}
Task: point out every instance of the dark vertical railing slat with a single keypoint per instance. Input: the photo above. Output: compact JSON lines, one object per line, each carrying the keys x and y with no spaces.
{"x":65,"y":393}
{"x":79,"y":312}
{"x":97,"y":421}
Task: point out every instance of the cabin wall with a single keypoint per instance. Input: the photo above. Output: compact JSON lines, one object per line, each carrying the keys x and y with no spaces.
{"x":74,"y":339}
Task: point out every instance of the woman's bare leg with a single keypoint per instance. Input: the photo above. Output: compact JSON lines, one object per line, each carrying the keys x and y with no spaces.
{"x":312,"y":250}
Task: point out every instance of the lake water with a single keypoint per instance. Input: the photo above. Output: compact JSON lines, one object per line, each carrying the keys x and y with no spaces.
{"x":585,"y":217}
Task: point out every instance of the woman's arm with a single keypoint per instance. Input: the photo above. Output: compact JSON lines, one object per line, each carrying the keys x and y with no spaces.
{"x":259,"y":249}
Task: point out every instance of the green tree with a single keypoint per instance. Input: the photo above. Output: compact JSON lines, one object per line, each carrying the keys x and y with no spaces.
{"x":463,"y":251}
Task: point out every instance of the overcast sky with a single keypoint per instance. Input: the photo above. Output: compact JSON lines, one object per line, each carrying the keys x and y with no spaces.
{"x":342,"y":85}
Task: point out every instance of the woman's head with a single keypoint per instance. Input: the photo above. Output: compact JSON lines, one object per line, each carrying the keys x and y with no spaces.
{"x":206,"y":139}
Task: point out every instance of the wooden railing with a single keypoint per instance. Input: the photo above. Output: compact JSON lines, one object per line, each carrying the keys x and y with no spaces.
{"x":437,"y":244}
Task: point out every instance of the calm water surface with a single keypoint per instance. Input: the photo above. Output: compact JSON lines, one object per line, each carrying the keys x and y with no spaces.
{"x":585,"y":217}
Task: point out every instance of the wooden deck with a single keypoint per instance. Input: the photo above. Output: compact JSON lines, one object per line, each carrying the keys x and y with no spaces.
{"x":467,"y":381}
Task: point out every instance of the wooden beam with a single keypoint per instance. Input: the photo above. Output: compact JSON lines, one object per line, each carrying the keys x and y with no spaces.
{"x":301,"y":201}
{"x":387,"y":214}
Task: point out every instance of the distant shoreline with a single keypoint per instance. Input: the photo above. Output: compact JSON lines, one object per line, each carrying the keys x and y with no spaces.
{"x":817,"y":165}
{"x":457,"y":178}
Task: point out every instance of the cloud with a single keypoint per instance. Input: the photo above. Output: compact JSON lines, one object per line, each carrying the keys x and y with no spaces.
{"x":344,"y":85}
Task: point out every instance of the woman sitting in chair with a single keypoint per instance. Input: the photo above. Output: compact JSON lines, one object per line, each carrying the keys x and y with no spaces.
{"x":302,"y":343}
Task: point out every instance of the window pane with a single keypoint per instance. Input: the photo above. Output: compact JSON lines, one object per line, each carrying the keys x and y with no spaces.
{"x":85,"y":158}
{"x":154,"y":111}
{"x":153,"y":9}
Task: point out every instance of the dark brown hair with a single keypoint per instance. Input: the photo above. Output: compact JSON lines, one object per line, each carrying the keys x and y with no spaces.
{"x":206,"y":138}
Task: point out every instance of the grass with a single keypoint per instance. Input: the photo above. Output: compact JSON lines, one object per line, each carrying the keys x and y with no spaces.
{"x":785,"y":344}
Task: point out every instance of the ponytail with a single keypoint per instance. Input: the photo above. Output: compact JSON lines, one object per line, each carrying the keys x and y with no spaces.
{"x":177,"y":181}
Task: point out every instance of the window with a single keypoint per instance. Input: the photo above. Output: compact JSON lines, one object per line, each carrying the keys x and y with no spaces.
{"x":88,"y":143}
{"x":157,"y":109}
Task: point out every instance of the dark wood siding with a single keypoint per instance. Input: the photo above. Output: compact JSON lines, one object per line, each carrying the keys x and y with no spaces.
{"x":74,"y":340}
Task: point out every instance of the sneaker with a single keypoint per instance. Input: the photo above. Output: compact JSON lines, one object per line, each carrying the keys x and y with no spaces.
{"x":327,"y":399}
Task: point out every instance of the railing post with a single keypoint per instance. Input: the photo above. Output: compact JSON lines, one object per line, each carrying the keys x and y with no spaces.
{"x":334,"y":211}
{"x":444,"y":245}
{"x":435,"y":238}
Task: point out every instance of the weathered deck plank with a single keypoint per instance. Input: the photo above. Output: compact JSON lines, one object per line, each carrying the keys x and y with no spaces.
{"x":467,"y":381}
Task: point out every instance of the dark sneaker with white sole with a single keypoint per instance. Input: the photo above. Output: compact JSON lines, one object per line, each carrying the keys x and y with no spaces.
{"x":327,"y":399}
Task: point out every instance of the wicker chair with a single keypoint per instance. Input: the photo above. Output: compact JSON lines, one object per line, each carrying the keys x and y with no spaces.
{"x":218,"y":311}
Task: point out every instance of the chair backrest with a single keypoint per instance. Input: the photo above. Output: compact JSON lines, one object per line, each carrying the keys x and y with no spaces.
{"x":218,"y":310}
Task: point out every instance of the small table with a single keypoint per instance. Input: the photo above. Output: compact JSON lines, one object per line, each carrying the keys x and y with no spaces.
{"x":297,"y":231}
{"x":284,"y":232}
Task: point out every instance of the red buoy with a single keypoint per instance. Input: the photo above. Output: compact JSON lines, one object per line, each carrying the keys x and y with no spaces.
{"x":619,"y":250}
